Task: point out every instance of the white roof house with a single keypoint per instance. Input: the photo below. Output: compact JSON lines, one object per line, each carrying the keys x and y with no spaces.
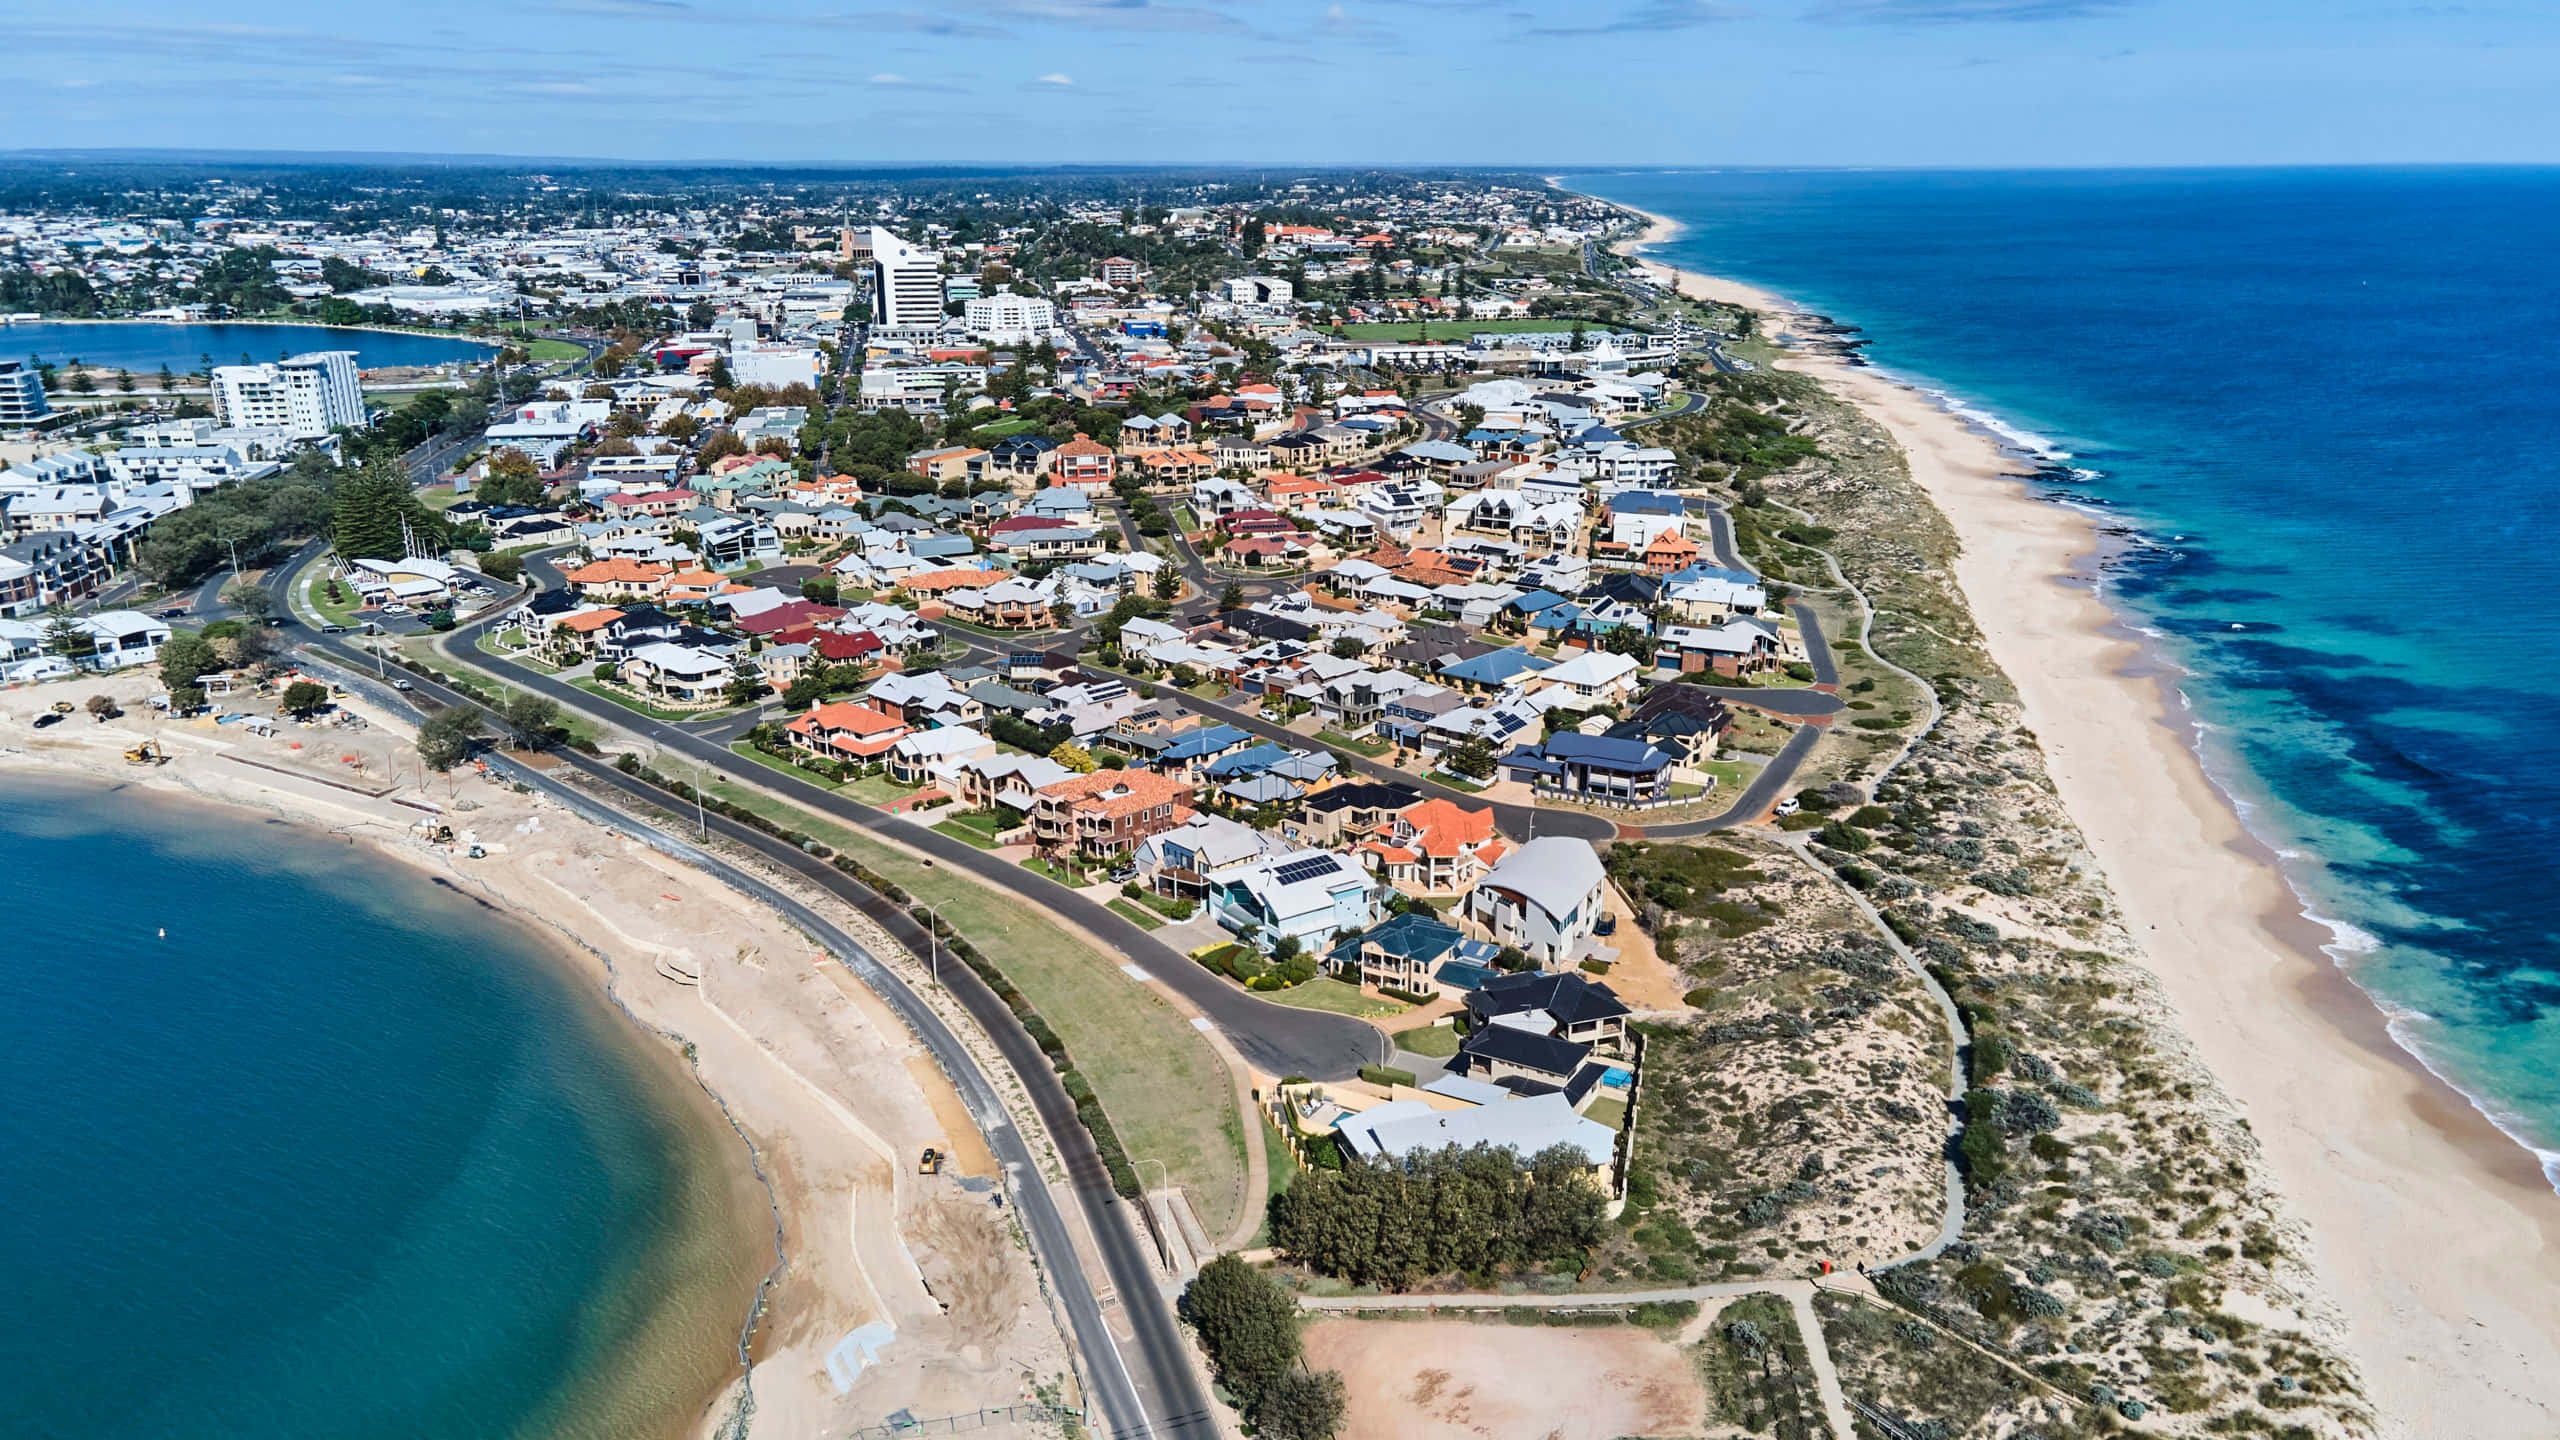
{"x":1595,"y":676}
{"x":1522,"y":1126}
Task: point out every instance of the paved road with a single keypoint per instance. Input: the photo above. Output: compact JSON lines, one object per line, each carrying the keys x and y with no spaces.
{"x":1158,"y":1394}
{"x":1277,"y":1039}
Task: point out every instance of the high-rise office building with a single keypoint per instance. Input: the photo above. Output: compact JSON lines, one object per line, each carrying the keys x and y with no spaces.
{"x":906,"y":283}
{"x":308,"y":395}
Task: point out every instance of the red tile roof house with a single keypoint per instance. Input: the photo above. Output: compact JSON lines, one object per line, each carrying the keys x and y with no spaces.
{"x":846,"y":730}
{"x":618,"y":577}
{"x":1438,"y":847}
{"x":788,"y":615}
{"x":1108,"y":812}
{"x":1257,"y":551}
{"x":656,"y":502}
{"x":1084,"y":462}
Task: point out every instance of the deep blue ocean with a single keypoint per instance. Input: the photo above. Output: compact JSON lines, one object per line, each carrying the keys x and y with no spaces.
{"x":2326,"y":400}
{"x":344,"y":1155}
{"x":144,"y":346}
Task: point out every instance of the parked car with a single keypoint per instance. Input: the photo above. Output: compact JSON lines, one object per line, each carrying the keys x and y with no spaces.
{"x":1788,"y":806}
{"x":47,"y":718}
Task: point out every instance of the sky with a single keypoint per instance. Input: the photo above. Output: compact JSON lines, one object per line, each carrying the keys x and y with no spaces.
{"x":1533,"y":83}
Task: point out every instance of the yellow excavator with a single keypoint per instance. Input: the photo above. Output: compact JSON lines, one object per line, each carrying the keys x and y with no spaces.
{"x":146,"y":753}
{"x":930,"y":1163}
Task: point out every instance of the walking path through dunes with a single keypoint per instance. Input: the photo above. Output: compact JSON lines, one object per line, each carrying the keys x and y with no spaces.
{"x":2437,"y":1238}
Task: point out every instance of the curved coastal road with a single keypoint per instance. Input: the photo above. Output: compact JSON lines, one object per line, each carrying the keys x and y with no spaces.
{"x":1160,"y":1394}
{"x":1277,"y":1039}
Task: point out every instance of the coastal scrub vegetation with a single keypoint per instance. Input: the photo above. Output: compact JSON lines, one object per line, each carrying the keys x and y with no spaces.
{"x":2112,"y":1206}
{"x":1756,"y":1372}
{"x":1799,"y":1115}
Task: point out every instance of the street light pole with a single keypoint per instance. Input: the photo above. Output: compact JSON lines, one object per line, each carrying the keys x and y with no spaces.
{"x":933,"y":941}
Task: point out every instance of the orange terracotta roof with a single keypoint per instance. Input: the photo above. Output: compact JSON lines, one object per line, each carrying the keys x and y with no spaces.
{"x":935,"y":581}
{"x":618,"y":571}
{"x":588,"y":621}
{"x":845,"y":715}
{"x":1083,"y":444}
{"x":1444,"y":828}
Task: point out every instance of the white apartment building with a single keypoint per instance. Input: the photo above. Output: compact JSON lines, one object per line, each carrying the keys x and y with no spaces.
{"x":22,"y":399}
{"x":1011,"y":319}
{"x":1259,"y":290}
{"x":307,"y":395}
{"x":906,"y":283}
{"x":776,"y":366}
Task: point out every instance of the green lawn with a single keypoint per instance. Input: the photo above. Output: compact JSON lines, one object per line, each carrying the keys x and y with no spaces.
{"x":632,"y":702}
{"x":1040,"y":865}
{"x":964,"y":834}
{"x":438,"y":498}
{"x":877,"y":789}
{"x":341,"y":611}
{"x":1368,"y":745}
{"x":1458,"y":782}
{"x":546,"y":351}
{"x":1326,"y":993}
{"x":746,"y":751}
{"x":1437,"y":1041}
{"x":1608,"y":1110}
{"x":1164,"y":1088}
{"x":1730,"y":775}
{"x":1137,"y":914}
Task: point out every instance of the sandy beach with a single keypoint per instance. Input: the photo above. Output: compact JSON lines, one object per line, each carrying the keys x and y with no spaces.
{"x":2432,"y":1232}
{"x":829,"y":1096}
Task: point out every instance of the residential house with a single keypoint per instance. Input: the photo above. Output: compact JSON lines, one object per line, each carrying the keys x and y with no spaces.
{"x":1438,"y":847}
{"x":1302,"y":895}
{"x":1594,"y":767}
{"x":1402,"y":952}
{"x":846,"y":730}
{"x":1543,"y":897}
{"x":1561,"y":1003}
{"x":1107,"y":813}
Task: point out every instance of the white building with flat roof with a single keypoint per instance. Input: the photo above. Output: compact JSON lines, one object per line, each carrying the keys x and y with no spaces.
{"x":306,"y":395}
{"x":1010,"y":319}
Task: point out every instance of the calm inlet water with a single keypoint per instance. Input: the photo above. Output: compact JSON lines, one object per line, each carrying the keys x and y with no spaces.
{"x":144,"y":346}
{"x":344,"y":1155}
{"x":2325,"y":401}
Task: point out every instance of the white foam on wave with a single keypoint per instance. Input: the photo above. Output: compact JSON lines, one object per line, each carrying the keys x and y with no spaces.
{"x":2024,"y":439}
{"x":2404,"y":1023}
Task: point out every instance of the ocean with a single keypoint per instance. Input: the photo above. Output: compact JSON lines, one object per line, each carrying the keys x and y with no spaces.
{"x":345,"y":1154}
{"x":144,"y":346}
{"x":2321,"y":405}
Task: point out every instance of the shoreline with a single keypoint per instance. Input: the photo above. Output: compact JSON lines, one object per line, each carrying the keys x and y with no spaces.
{"x":2436,"y":1239}
{"x":710,"y":992}
{"x":6,"y":326}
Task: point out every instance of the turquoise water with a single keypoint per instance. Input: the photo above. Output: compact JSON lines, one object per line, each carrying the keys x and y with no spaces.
{"x":144,"y":346}
{"x":2322,"y":403}
{"x":343,"y":1155}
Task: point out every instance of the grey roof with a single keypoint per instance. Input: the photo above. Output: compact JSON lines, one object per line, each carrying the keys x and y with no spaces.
{"x":1553,"y":870}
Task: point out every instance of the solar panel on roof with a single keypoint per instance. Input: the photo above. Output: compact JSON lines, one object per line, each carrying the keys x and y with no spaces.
{"x":1308,"y":869}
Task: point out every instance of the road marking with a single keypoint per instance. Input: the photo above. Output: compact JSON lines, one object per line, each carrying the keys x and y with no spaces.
{"x":1134,"y":973}
{"x":1202,"y":1024}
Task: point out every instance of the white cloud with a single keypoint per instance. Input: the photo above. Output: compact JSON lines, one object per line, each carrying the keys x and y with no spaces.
{"x":1053,"y":78}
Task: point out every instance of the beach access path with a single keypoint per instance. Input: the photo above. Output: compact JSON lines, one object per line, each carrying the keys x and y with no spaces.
{"x":2435,"y":1236}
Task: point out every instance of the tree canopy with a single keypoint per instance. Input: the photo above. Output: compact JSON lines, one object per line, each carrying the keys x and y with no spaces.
{"x":1473,"y":1212}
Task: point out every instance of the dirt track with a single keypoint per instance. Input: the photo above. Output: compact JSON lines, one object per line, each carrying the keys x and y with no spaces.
{"x":1453,"y":1380}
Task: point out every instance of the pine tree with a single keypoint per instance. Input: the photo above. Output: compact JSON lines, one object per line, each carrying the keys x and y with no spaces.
{"x":369,"y":508}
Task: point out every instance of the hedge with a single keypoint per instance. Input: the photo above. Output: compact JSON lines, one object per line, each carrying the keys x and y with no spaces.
{"x":1382,"y":1075}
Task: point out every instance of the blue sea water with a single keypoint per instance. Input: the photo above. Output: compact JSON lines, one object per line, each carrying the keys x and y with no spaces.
{"x":2326,"y":401}
{"x":144,"y":346}
{"x":344,"y":1155}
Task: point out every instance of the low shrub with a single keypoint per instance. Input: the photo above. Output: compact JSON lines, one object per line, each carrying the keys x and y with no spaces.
{"x":1384,"y":1075}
